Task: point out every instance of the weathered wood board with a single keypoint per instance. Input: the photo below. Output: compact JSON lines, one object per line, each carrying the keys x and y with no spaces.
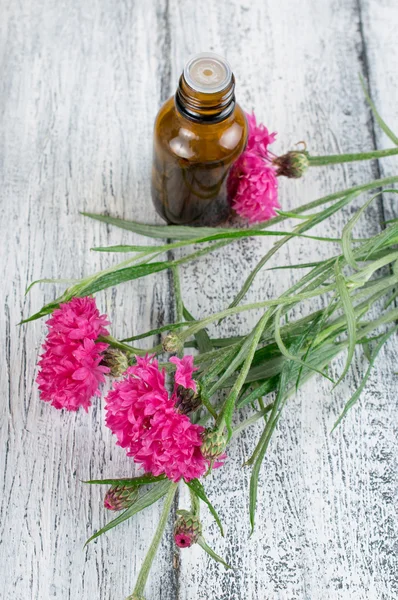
{"x":81,"y":83}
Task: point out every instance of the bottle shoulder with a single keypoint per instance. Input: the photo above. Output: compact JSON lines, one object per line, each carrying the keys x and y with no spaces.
{"x":199,"y":142}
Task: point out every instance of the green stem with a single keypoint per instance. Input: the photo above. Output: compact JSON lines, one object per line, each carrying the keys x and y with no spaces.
{"x":144,"y":571}
{"x":253,"y":419}
{"x":195,"y":504}
{"x":318,"y":161}
{"x":121,"y":346}
{"x":376,"y":183}
{"x":177,"y":293}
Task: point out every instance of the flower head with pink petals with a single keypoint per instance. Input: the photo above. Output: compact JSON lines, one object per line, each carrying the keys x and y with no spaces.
{"x":70,"y":369}
{"x":252,"y":183}
{"x":184,"y":371}
{"x":145,"y":420}
{"x":259,"y":137}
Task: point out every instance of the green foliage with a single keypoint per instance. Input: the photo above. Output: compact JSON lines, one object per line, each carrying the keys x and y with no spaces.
{"x":198,"y":489}
{"x":153,"y":495}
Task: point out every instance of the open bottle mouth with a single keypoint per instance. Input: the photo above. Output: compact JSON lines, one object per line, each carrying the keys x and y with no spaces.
{"x":206,"y":91}
{"x":207,"y":73}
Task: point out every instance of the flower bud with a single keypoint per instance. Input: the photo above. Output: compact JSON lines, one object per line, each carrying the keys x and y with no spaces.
{"x":172,"y":343}
{"x":293,"y":164}
{"x":116,"y":360}
{"x":187,"y":400}
{"x":187,"y":529}
{"x":213,"y":446}
{"x":119,"y":497}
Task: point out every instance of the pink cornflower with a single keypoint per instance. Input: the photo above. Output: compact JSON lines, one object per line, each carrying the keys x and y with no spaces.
{"x":253,"y":188}
{"x":69,"y":368}
{"x":145,"y":421}
{"x":184,"y":370}
{"x":259,"y":137}
{"x":252,"y":183}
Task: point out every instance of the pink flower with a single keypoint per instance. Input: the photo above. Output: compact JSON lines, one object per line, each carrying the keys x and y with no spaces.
{"x":142,"y":415}
{"x":183,"y":374}
{"x":70,"y":371}
{"x":253,"y":188}
{"x":183,"y":540}
{"x":258,"y":138}
{"x":252,"y":184}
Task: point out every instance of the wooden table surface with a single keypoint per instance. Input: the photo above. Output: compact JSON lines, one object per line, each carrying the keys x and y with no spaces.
{"x":80,"y":86}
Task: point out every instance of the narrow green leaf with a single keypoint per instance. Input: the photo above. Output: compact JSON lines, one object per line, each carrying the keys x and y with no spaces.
{"x":142,"y":480}
{"x":168,"y":327}
{"x":125,"y":248}
{"x":53,"y":281}
{"x":259,"y":453}
{"x":154,"y":231}
{"x":288,"y":354}
{"x":335,"y":159}
{"x":153,"y":495}
{"x":229,"y":405}
{"x":196,"y":486}
{"x":297,"y":266}
{"x":291,"y":215}
{"x":264,"y":388}
{"x":346,"y":238}
{"x":210,"y":552}
{"x":46,"y":310}
{"x":361,"y":387}
{"x":349,"y":315}
{"x":121,"y":276}
{"x":184,"y":234}
{"x":201,"y":337}
{"x":383,"y":125}
{"x":233,"y":364}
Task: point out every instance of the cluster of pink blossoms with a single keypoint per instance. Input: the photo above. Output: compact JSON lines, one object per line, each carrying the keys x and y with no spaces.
{"x":70,"y":371}
{"x":142,"y":415}
{"x":252,"y":182}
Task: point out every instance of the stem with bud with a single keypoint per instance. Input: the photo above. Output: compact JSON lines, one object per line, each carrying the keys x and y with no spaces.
{"x":146,"y":566}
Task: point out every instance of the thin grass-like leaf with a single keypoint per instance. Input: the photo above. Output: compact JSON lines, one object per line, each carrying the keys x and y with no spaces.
{"x":153,"y":495}
{"x":52,"y":281}
{"x":196,"y":486}
{"x":383,"y":125}
{"x":258,"y":456}
{"x":154,"y":231}
{"x":128,"y":482}
{"x":201,"y":337}
{"x":264,"y":388}
{"x":210,"y":552}
{"x":361,"y":387}
{"x":349,"y":315}
{"x":228,"y":409}
{"x":288,"y":354}
{"x":346,"y":238}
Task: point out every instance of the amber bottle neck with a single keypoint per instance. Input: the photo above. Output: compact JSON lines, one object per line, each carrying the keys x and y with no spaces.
{"x":205,"y":107}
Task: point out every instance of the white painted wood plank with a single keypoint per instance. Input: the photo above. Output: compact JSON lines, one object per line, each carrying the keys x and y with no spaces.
{"x":81,"y":89}
{"x":325,"y":501}
{"x":379,"y":24}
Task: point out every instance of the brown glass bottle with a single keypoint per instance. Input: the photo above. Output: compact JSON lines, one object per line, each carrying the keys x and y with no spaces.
{"x":199,"y":133}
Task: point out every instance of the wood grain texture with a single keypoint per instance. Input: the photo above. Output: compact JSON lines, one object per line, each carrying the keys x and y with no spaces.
{"x":81,"y":84}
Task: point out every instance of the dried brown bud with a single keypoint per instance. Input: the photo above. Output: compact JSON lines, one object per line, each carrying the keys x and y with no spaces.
{"x":116,"y":360}
{"x":187,"y":400}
